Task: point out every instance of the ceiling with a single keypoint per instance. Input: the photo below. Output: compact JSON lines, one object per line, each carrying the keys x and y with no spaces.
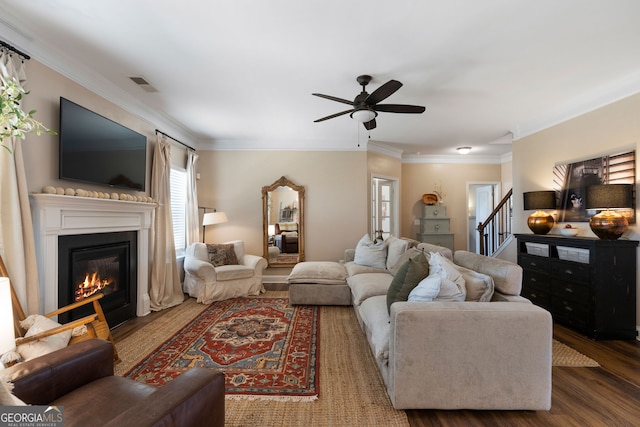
{"x":240,"y":74}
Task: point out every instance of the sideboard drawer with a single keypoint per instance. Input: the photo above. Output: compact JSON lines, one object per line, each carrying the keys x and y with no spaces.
{"x":534,"y":262}
{"x":536,"y":296}
{"x":571,"y":271}
{"x":535,"y":279}
{"x":570,"y":291}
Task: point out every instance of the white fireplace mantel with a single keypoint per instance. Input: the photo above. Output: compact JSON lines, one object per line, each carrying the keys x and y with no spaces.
{"x":57,"y":215}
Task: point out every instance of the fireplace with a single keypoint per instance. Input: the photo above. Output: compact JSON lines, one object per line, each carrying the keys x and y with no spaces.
{"x":99,"y":262}
{"x":56,"y":216}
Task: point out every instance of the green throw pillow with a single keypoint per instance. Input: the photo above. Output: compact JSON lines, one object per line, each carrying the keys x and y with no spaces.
{"x":406,"y":278}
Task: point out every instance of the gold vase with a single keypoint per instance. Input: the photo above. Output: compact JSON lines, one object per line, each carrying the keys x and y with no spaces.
{"x":608,"y":225}
{"x":540,"y":222}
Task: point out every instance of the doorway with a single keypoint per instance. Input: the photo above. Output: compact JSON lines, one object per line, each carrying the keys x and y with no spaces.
{"x":384,"y":207}
{"x":481,"y":200}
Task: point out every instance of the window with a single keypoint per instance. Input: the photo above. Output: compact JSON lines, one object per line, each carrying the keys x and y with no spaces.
{"x":178,"y":209}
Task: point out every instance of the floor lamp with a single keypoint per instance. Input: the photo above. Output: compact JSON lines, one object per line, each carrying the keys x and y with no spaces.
{"x":211,"y":218}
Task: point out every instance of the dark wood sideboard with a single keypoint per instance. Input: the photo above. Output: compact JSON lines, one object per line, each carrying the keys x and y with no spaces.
{"x":587,"y":284}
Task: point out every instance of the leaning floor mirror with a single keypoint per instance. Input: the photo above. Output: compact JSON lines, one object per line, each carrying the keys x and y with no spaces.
{"x":283,"y":223}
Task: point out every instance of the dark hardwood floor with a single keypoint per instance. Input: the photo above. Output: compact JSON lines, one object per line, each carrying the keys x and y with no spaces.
{"x":582,"y":397}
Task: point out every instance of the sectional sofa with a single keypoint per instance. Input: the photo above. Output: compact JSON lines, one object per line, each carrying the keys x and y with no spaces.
{"x":485,"y":347}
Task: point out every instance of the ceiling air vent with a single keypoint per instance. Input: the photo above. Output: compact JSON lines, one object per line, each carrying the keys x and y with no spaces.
{"x":143,"y":83}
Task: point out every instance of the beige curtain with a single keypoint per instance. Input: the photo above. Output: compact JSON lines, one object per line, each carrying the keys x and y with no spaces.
{"x":192,"y":219}
{"x":17,"y":244}
{"x":165,"y":289}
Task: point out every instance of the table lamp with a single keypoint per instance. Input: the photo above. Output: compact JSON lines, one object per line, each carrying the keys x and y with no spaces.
{"x":540,"y":222}
{"x":609,"y":224}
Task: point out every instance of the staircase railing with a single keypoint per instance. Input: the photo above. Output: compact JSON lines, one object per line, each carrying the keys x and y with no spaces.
{"x":495,"y":230}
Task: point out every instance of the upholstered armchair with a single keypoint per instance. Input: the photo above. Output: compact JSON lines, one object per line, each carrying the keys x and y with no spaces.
{"x":242,"y":276}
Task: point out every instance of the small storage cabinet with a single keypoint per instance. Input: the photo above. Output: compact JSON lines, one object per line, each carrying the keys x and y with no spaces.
{"x":435,"y":227}
{"x":587,"y":284}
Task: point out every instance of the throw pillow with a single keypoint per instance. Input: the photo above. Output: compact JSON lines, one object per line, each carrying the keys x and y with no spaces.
{"x":452,"y":286}
{"x":407,"y":278}
{"x":427,"y":290}
{"x":395,"y":248}
{"x":221,"y":254}
{"x":371,"y":254}
{"x":45,"y":345}
{"x":479,"y":286}
{"x":409,"y":253}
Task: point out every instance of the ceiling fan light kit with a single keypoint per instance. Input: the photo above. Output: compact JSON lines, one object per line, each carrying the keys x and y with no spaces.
{"x":365,"y":106}
{"x":363,"y":116}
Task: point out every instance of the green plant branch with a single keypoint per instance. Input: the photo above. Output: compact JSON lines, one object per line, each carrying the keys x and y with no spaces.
{"x":14,"y":122}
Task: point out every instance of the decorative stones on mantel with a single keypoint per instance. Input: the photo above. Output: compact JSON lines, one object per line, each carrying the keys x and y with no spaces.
{"x":49,"y":189}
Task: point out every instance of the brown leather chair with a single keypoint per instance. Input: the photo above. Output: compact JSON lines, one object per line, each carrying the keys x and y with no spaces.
{"x":80,"y":378}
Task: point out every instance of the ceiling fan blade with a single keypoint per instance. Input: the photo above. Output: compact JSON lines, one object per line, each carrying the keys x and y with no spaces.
{"x":333,"y":98}
{"x":370,"y":124}
{"x":399,"y":108}
{"x":383,"y":92}
{"x":332,"y":116}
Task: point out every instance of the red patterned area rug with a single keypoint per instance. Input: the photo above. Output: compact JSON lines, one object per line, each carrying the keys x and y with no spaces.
{"x":266,"y":348}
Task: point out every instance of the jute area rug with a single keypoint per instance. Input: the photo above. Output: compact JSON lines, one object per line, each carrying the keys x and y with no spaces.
{"x":563,"y":355}
{"x":351,"y":390}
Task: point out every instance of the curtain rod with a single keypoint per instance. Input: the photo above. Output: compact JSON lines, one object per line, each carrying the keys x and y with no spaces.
{"x":179,"y":142}
{"x":8,"y":46}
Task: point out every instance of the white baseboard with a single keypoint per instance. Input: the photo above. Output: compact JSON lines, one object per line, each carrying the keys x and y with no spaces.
{"x":274,"y":278}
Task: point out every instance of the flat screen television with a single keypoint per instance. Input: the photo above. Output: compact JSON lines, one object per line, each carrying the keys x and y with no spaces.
{"x":97,"y":150}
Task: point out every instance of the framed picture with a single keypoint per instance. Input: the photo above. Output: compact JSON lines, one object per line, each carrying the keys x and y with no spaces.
{"x":571,"y":180}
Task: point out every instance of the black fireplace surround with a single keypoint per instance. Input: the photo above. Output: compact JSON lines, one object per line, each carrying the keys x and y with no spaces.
{"x":99,"y":262}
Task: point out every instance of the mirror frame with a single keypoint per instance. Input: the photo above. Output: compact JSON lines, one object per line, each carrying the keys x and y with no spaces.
{"x":282,"y":182}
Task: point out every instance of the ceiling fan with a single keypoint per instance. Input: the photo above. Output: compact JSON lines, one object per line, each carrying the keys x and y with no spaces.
{"x":366,"y":107}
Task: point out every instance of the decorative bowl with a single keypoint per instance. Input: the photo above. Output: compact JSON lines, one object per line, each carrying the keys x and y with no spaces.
{"x":429,"y":199}
{"x":569,"y":231}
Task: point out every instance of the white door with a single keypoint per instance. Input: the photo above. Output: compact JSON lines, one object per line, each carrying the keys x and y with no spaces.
{"x":485,"y":202}
{"x":383,"y":207}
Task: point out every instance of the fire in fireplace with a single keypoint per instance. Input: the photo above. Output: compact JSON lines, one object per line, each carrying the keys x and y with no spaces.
{"x":101,"y":262}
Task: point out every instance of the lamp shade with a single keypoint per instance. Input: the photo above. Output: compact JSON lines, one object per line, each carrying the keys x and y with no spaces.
{"x":364,"y":115}
{"x":535,"y":200}
{"x":211,"y":218}
{"x":7,"y":336}
{"x":609,"y":196}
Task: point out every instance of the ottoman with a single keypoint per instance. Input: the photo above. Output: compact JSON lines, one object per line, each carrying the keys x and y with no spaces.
{"x":318,"y":283}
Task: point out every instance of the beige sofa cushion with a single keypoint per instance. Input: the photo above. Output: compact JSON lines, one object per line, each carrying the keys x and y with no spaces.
{"x":452,"y":285}
{"x":507,"y":276}
{"x":354,"y":269}
{"x":367,"y":285}
{"x":374,"y":316}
